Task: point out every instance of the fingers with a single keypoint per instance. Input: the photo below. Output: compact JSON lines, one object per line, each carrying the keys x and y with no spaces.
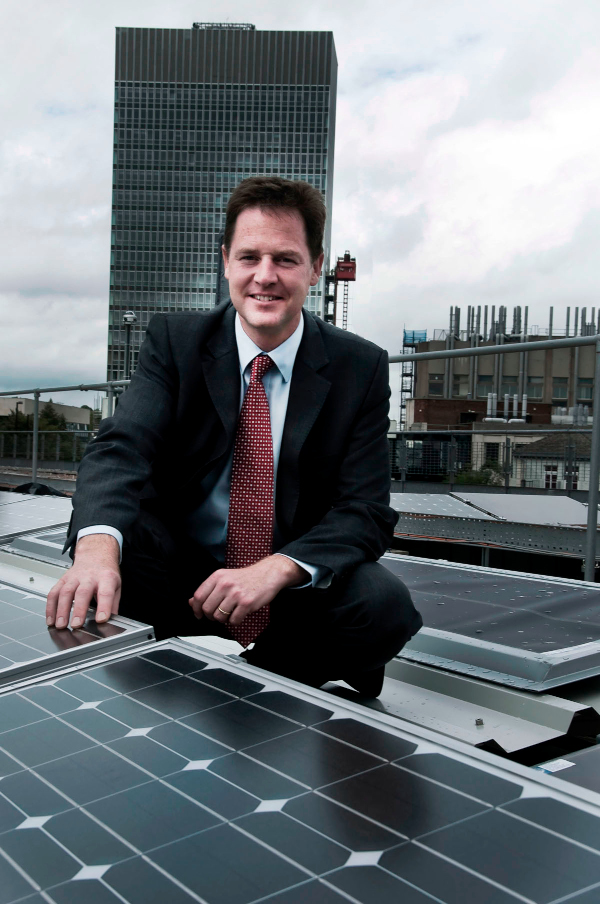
{"x":65,"y":601}
{"x":52,"y":602}
{"x":81,"y":603}
{"x":105,"y":597}
{"x":76,"y":593}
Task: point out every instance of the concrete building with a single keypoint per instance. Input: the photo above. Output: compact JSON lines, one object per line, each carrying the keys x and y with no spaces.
{"x":196,"y":111}
{"x":18,"y":414}
{"x":557,"y":384}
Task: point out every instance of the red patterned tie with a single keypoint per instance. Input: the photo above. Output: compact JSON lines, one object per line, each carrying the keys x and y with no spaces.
{"x":250,"y":524}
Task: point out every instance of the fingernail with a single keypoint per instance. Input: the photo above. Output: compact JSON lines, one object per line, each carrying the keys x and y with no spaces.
{"x":101,"y":616}
{"x":60,"y":622}
{"x":49,"y":621}
{"x":75,"y":622}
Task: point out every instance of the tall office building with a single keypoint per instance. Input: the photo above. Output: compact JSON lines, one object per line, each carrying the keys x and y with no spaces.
{"x":197,"y":111}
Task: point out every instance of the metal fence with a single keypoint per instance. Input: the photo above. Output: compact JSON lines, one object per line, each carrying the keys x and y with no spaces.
{"x":456,"y":460}
{"x":594,"y":460}
{"x":55,"y":447}
{"x":557,"y":460}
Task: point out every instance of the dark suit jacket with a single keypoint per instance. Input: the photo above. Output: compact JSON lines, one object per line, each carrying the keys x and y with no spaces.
{"x":175,"y":426}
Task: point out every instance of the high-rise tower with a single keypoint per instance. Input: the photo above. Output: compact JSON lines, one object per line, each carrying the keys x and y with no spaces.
{"x":197,"y":111}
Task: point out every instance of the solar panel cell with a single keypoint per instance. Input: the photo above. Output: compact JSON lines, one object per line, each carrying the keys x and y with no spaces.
{"x":518,"y":856}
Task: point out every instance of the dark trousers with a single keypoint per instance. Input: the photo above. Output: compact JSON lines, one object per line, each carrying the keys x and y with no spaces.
{"x":355,"y":626}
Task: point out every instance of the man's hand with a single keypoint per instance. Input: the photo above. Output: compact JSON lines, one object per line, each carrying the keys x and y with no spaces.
{"x":95,"y":573}
{"x":240,"y":591}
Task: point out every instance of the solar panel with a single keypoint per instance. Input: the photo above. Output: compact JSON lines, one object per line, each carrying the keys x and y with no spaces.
{"x":43,"y":546}
{"x":27,"y":645}
{"x":11,"y":498}
{"x":581,"y":768}
{"x":439,"y":504}
{"x":33,"y":513}
{"x":505,"y":626}
{"x":529,"y":509}
{"x":176,"y":775}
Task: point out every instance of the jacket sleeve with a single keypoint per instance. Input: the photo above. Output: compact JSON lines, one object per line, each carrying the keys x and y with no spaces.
{"x":359,"y":525}
{"x":118,"y":462}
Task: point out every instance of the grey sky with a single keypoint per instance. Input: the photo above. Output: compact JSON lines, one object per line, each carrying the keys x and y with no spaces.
{"x":467,"y":162}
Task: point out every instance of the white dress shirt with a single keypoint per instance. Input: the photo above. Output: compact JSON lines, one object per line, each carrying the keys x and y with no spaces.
{"x":208,"y":523}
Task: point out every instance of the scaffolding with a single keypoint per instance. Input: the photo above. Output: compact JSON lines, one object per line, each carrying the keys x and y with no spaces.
{"x":343,"y":272}
{"x":410,"y":339}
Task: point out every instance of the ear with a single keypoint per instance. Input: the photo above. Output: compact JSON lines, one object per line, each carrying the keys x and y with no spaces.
{"x":225,"y":261}
{"x":317,"y":266}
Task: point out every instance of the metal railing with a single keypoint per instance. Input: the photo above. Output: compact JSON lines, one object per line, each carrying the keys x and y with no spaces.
{"x":109,"y":387}
{"x":594,"y":465}
{"x":502,"y":460}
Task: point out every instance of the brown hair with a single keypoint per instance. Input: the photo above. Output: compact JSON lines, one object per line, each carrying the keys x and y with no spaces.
{"x":276,"y":194}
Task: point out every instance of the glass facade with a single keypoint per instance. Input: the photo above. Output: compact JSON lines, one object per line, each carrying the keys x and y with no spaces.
{"x":181,"y":146}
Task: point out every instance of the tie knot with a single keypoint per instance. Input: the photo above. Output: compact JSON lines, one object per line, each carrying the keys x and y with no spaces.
{"x":260,"y":365}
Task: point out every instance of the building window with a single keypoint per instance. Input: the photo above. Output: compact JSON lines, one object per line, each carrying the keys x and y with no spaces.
{"x":460,"y":386}
{"x":484,"y":385}
{"x":551,"y":476}
{"x":585,"y":390}
{"x":436,"y":384}
{"x":560,"y":387}
{"x":509,"y":387}
{"x":535,"y":387}
{"x":492,"y":453}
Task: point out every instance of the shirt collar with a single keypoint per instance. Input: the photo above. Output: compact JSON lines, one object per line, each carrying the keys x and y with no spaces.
{"x":283,"y":356}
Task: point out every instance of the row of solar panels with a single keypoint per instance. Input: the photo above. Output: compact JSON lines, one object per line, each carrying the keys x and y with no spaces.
{"x":165,"y":773}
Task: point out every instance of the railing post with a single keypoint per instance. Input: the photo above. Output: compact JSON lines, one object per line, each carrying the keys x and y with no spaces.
{"x":452,"y":462}
{"x":592,"y":522}
{"x":402,"y":463}
{"x":111,"y":402}
{"x":74,"y":447}
{"x":507,"y":465}
{"x":57,"y":447}
{"x":36,"y":436}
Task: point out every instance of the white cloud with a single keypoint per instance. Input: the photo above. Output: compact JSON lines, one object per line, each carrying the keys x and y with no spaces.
{"x":466,"y":169}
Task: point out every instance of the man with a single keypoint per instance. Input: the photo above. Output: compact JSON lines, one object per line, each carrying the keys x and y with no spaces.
{"x":252,"y":436}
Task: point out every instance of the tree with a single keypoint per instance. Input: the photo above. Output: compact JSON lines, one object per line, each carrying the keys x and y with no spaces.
{"x":50,"y":419}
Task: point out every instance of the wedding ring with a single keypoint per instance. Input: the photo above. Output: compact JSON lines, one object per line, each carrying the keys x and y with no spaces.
{"x":224,"y":611}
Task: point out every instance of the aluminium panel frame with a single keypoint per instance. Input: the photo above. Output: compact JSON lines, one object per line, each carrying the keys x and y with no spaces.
{"x":133,"y":634}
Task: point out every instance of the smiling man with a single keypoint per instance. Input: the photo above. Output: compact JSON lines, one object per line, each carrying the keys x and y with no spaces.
{"x":242,"y":487}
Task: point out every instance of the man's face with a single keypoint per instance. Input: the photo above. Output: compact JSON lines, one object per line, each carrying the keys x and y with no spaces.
{"x":270,"y":271}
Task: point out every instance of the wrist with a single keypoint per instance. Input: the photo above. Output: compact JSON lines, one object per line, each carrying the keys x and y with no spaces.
{"x":96,"y":546}
{"x":290,"y":572}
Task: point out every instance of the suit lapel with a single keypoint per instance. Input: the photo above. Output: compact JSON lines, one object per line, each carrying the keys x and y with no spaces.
{"x":308,"y":391}
{"x":221,"y":368}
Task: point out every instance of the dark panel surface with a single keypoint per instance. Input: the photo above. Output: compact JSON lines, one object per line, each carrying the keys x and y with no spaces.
{"x":79,"y":807}
{"x":520,"y":857}
{"x":534,"y":615}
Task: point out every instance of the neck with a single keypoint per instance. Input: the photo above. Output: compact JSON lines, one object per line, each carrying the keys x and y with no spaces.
{"x":267,"y":340}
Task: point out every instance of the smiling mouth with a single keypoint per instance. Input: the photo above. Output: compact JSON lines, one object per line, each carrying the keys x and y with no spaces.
{"x":266,"y":297}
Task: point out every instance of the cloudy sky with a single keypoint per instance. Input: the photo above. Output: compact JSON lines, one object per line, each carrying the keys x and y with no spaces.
{"x":467,"y":162}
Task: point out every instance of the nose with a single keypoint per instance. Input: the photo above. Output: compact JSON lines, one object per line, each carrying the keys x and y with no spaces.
{"x":266,"y":273}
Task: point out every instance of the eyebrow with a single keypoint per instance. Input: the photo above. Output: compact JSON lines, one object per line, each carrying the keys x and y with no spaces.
{"x":284,"y":253}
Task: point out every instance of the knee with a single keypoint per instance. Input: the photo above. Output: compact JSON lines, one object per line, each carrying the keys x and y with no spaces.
{"x":387,"y":605}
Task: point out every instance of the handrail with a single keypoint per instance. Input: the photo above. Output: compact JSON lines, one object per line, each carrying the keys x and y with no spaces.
{"x":510,"y":348}
{"x":110,"y":384}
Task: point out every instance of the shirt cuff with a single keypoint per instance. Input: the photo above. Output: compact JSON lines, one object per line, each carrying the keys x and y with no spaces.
{"x":103,"y":529}
{"x":320,"y":576}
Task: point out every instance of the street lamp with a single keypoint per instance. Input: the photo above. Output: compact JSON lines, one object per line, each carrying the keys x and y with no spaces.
{"x":129,"y":319}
